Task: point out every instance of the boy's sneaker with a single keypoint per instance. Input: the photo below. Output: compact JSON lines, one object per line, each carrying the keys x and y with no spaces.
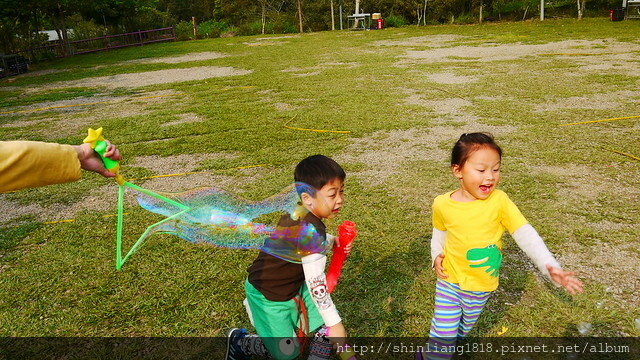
{"x":234,"y":352}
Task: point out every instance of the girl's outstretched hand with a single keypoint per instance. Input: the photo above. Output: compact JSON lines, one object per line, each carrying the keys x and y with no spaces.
{"x":437,"y":265}
{"x":566,"y":279}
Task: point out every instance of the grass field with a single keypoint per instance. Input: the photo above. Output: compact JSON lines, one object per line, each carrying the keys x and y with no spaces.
{"x":391,"y":103}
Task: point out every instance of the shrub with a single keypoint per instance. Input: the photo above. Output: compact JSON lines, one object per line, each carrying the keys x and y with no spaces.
{"x":231,"y":32}
{"x":252,"y":28}
{"x":80,"y":29}
{"x":465,"y":19}
{"x":212,"y":29}
{"x":184,"y":30}
{"x":149,"y":18}
{"x":394,"y":21}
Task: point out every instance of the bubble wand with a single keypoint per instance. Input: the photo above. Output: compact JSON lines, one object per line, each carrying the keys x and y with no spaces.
{"x":215,"y":217}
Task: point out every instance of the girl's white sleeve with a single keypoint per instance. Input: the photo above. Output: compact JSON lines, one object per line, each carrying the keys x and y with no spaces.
{"x":313,"y":266}
{"x":437,"y":244}
{"x":532,"y":244}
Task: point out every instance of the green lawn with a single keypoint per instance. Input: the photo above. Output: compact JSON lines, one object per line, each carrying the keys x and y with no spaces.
{"x":396,"y":101}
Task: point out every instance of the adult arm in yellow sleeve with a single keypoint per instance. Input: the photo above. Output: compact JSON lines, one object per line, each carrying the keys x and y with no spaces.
{"x":25,"y":164}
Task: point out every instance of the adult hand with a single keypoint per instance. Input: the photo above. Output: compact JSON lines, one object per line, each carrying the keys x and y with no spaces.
{"x":91,"y":161}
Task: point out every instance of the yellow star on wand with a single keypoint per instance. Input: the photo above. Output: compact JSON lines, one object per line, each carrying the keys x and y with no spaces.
{"x":504,"y":330}
{"x":93,"y":137}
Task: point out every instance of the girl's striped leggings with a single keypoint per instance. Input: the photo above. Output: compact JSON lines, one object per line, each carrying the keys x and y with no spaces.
{"x":456,"y":313}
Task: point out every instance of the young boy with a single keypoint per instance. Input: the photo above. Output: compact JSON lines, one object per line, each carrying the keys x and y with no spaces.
{"x":283,"y":296}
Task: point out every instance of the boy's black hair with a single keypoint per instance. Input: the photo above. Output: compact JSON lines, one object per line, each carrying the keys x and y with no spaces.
{"x":469,"y":143}
{"x":317,"y":171}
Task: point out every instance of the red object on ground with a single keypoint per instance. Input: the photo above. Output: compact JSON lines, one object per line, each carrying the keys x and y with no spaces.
{"x":346,"y":233}
{"x":616,"y":14}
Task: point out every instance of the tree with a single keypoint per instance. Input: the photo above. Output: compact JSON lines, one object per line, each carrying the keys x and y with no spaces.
{"x":13,"y":16}
{"x":422,"y":13}
{"x":581,"y":6}
{"x":333,"y":17}
{"x":263,"y":13}
{"x":56,"y":12}
{"x":300,"y":29}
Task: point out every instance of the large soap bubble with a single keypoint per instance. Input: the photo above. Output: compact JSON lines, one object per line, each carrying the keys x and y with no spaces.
{"x":218,"y":218}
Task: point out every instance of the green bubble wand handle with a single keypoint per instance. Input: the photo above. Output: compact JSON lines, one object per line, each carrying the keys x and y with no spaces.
{"x":99,"y":145}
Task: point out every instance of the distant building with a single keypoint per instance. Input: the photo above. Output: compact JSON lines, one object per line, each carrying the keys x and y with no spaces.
{"x":53,"y":35}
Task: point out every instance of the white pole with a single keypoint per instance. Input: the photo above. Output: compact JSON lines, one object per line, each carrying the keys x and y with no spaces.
{"x":541,"y":10}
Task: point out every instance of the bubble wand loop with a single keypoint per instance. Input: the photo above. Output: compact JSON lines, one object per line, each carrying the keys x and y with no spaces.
{"x":99,"y":145}
{"x":346,"y":234}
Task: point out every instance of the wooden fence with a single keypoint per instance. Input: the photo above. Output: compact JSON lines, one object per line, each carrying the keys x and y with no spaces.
{"x":99,"y":44}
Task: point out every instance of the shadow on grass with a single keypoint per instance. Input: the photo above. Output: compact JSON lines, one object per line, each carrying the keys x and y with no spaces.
{"x":375,"y":287}
{"x":380,"y":291}
{"x":514,"y":277}
{"x":13,"y":234}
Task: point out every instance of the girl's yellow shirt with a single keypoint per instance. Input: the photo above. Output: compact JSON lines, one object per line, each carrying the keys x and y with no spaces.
{"x":473,"y":244}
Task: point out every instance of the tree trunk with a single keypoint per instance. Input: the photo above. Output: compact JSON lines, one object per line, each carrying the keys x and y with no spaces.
{"x":424,"y":13}
{"x":66,"y":47}
{"x":580,"y":9}
{"x":333,"y":17}
{"x":195,"y":28}
{"x":264,"y":16}
{"x":300,"y":16}
{"x":579,"y":12}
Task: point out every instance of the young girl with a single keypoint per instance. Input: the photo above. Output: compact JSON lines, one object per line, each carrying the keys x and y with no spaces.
{"x":468,"y":224}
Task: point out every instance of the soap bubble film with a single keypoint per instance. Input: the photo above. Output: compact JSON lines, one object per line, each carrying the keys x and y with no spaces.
{"x":221,"y":219}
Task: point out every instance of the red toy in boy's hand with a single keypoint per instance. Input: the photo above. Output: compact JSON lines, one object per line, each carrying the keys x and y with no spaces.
{"x":341,"y":248}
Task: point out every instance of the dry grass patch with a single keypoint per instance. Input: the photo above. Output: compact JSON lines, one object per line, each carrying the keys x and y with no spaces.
{"x":147,"y":78}
{"x":318,"y":69}
{"x":595,"y":101}
{"x":187,"y":118}
{"x":195,"y":56}
{"x":436,"y":40}
{"x":72,"y":117}
{"x":450,"y":78}
{"x":581,"y":51}
{"x":385,"y":153}
{"x":95,"y":201}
